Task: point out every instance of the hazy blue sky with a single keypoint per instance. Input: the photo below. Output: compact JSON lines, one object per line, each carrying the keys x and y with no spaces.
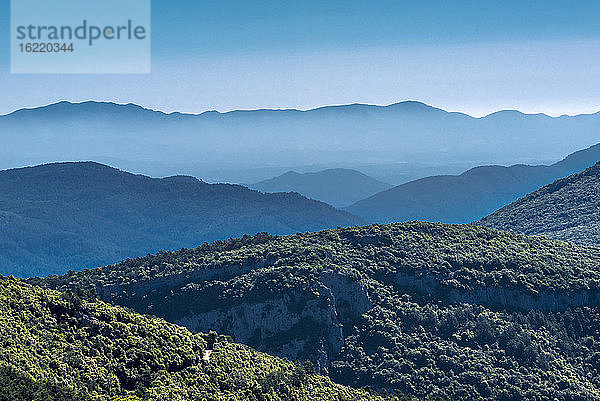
{"x":472,"y":56}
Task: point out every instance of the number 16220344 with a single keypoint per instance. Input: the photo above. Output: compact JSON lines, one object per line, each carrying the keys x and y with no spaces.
{"x":46,"y":47}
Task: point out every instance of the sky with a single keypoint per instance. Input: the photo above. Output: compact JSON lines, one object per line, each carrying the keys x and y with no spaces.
{"x":471,"y":56}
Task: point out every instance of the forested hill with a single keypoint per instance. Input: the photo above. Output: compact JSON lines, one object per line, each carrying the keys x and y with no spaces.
{"x":75,"y":215}
{"x":71,"y":347}
{"x":460,"y":312}
{"x":568,"y":209}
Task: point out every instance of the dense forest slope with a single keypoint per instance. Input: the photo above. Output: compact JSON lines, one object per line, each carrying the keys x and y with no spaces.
{"x":74,"y":215}
{"x":469,"y":196}
{"x":69,"y":346}
{"x":568,"y":209}
{"x":460,"y":312}
{"x":338,"y":187}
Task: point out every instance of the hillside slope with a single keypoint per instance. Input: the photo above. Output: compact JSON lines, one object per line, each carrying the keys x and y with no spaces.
{"x":459,"y":312}
{"x":74,"y":215}
{"x":69,"y":346}
{"x":469,"y":196}
{"x":568,"y":209}
{"x":338,"y":187}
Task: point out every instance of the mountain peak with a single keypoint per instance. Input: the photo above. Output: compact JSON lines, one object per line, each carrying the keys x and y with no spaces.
{"x":62,"y":166}
{"x":183,"y":179}
{"x":514,"y":114}
{"x":414,"y":105}
{"x":337,"y":186}
{"x":88,"y":107}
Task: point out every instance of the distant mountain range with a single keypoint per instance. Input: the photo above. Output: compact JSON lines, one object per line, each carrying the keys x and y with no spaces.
{"x":403,"y":135}
{"x":338,"y":187}
{"x":567,"y":209}
{"x":75,"y":215}
{"x":469,"y":196}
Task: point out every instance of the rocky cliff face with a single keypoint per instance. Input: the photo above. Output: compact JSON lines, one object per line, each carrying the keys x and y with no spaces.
{"x":279,"y":327}
{"x":297,"y":323}
{"x":495,"y":297}
{"x":302,"y":322}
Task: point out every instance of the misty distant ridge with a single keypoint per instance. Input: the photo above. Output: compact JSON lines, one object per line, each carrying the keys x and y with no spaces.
{"x":407,"y":105}
{"x":66,"y":105}
{"x":407,"y":139}
{"x":469,"y":196}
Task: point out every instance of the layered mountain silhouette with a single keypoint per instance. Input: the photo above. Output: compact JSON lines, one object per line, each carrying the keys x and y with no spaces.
{"x":160,"y":144}
{"x":74,"y":215}
{"x":469,"y":196}
{"x":568,"y":209}
{"x":338,"y":187}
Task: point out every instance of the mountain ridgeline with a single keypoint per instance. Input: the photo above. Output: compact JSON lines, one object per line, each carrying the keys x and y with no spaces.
{"x":128,"y":136}
{"x":75,"y":215}
{"x":469,"y":196}
{"x":338,"y":187}
{"x":567,"y":209}
{"x":459,"y":312}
